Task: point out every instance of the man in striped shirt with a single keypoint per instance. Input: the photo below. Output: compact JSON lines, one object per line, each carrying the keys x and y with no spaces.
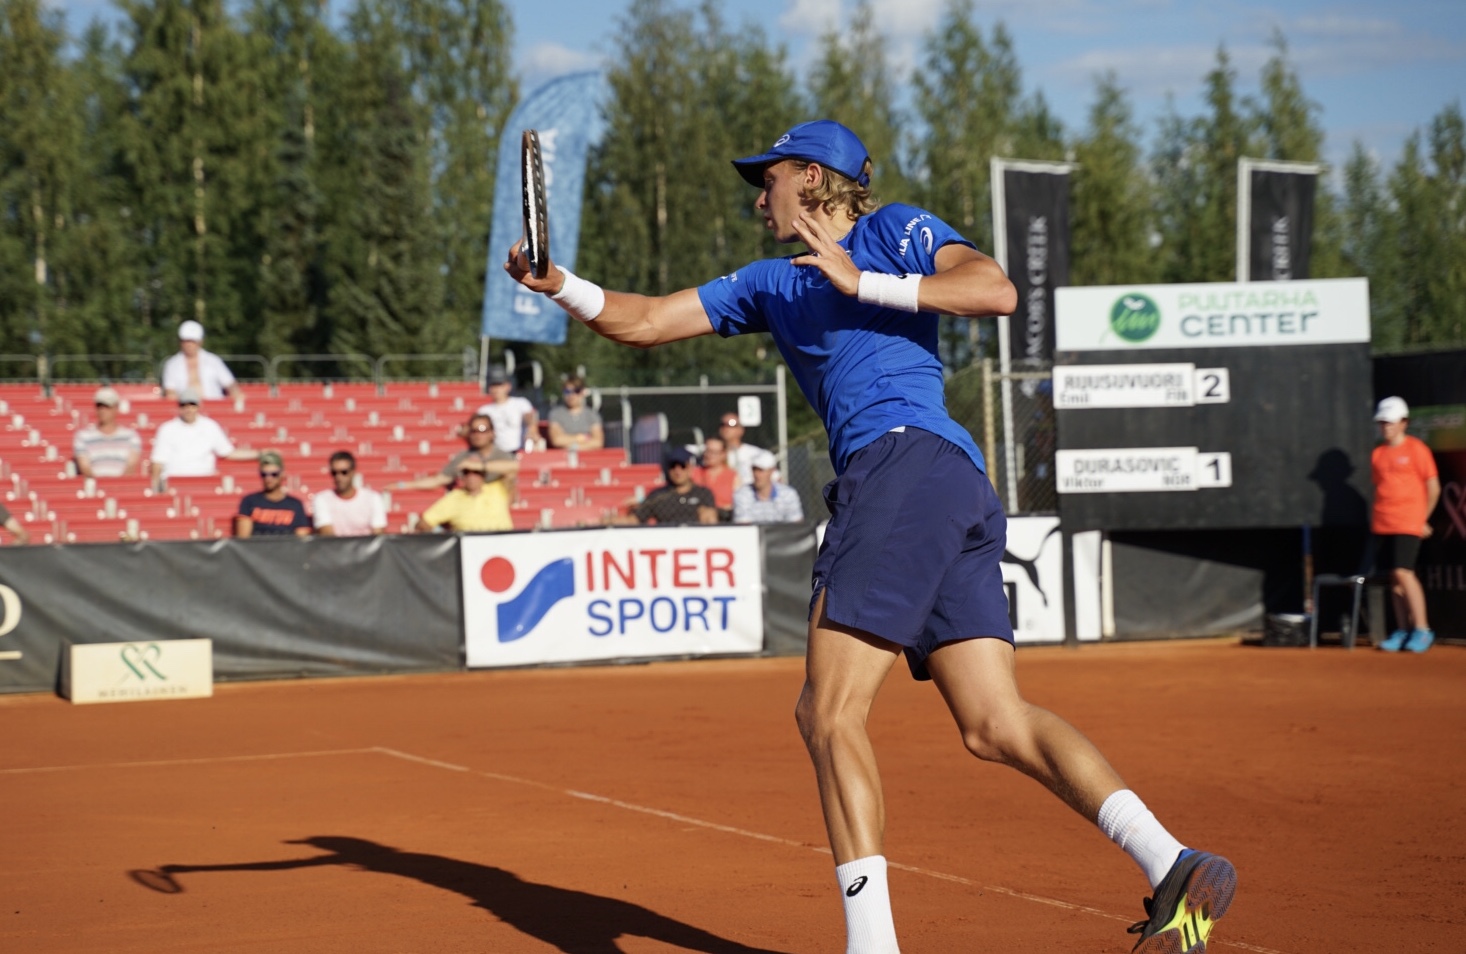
{"x":106,"y":448}
{"x":766,"y":500}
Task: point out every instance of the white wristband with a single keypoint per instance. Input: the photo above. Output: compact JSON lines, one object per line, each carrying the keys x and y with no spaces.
{"x":582,"y":299}
{"x":889,"y":291}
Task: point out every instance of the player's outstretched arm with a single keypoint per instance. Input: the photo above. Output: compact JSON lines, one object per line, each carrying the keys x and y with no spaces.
{"x":967,"y":283}
{"x":640,"y":321}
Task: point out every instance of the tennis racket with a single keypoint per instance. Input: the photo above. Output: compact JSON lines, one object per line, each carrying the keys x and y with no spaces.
{"x":536,"y":218}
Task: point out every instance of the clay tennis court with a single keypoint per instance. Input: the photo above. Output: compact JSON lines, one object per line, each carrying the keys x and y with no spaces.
{"x":670,"y":807}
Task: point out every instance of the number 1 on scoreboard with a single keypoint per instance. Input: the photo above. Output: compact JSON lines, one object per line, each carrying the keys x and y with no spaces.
{"x":1214,"y":470}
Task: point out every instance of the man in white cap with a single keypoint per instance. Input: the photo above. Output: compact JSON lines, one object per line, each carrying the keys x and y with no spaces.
{"x":106,"y":448}
{"x":766,"y":500}
{"x":190,"y":444}
{"x":193,"y":367}
{"x":1406,"y":489}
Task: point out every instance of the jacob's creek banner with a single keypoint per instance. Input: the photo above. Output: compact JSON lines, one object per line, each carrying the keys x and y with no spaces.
{"x":1222,"y":315}
{"x":609,"y":594}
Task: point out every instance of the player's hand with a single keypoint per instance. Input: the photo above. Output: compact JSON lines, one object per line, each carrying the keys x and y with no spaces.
{"x":826,"y":254}
{"x":517,"y":266}
{"x":1427,"y":532}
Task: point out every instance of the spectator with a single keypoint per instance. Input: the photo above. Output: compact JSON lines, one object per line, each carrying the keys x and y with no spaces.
{"x":475,"y":506}
{"x":766,"y":500}
{"x":1406,"y":489}
{"x":740,"y":455}
{"x":272,"y":511}
{"x":574,"y":423}
{"x":347,"y":510}
{"x":190,"y":444}
{"x":106,"y":448}
{"x":8,"y":521}
{"x":717,"y":476}
{"x":679,"y":501}
{"x":516,"y":424}
{"x":479,"y":433}
{"x":194,"y":368}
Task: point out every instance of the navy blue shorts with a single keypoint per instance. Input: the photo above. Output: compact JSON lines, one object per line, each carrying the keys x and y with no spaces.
{"x":912,"y":550}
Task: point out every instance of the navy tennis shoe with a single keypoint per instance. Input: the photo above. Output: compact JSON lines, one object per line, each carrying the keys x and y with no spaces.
{"x":1188,"y":902}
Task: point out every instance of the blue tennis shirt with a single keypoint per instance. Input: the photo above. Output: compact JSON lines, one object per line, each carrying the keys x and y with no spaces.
{"x":865,"y":369}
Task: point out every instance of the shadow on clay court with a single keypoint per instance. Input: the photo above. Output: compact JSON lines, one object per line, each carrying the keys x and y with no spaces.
{"x":573,"y":921}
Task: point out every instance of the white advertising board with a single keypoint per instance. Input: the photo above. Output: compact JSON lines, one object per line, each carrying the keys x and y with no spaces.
{"x":1033,"y":576}
{"x":1216,"y":315}
{"x":132,"y":672}
{"x":611,"y":594}
{"x":1079,"y":387}
{"x":1140,"y":469}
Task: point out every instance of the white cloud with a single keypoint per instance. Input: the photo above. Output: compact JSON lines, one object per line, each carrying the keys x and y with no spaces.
{"x":1334,"y":25}
{"x":545,"y":61}
{"x":810,"y":18}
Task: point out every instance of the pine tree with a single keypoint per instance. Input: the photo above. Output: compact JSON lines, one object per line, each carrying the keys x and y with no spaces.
{"x":851,"y":84}
{"x":384,"y":272}
{"x":458,"y":54}
{"x":664,"y":209}
{"x":1111,"y":196}
{"x":38,"y":146}
{"x":1195,"y":165}
{"x":194,"y":144}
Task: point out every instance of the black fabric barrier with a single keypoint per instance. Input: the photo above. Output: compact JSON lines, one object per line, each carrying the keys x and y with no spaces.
{"x":789,"y":552}
{"x":274,"y":608}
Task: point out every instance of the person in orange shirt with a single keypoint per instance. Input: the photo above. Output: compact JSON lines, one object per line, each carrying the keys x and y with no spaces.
{"x":717,"y":476}
{"x":1406,"y":488}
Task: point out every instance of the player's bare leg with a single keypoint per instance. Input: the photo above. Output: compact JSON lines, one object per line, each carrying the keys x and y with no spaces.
{"x":844,"y":669}
{"x":976,"y":678}
{"x":1192,"y":888}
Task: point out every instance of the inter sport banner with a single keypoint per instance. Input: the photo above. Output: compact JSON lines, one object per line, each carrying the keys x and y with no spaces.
{"x":1220,"y":315}
{"x":565,"y":111}
{"x":1280,"y":230}
{"x":1037,"y":225}
{"x":611,"y":594}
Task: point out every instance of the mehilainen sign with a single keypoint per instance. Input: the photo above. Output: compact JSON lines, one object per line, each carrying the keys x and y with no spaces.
{"x":1220,"y":315}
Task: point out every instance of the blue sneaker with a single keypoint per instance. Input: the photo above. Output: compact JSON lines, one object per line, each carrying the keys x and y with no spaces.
{"x":1395,"y":640}
{"x":1190,"y":899}
{"x":1420,"y":640}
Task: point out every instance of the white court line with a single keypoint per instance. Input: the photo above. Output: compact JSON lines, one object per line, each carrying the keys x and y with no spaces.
{"x":203,"y":761}
{"x":760,"y":836}
{"x":614,"y":803}
{"x":12,"y":654}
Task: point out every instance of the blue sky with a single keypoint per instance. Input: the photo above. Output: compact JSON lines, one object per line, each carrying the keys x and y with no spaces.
{"x":1377,"y":70}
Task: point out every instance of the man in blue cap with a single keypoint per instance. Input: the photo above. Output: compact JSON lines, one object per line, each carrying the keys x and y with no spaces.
{"x":855,"y":317}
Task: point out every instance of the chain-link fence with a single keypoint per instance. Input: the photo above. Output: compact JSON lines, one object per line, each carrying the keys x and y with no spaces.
{"x":1022,"y":469}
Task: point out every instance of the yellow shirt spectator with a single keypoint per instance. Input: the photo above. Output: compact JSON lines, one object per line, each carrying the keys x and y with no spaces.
{"x":475,"y":507}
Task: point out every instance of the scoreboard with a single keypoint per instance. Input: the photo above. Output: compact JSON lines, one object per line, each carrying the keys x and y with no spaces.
{"x":1213,"y":405}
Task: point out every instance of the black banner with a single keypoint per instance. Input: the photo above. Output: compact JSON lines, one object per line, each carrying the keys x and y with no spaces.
{"x":1280,"y":236}
{"x":1037,"y":222}
{"x":275,"y":608}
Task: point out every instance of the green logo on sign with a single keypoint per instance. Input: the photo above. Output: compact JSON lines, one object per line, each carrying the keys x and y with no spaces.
{"x":1135,"y":317}
{"x":137,"y":658}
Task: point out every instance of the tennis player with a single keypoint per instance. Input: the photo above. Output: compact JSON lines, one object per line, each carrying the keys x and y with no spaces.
{"x":901,"y":570}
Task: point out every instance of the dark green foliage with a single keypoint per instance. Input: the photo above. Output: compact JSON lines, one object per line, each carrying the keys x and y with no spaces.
{"x":304,"y":189}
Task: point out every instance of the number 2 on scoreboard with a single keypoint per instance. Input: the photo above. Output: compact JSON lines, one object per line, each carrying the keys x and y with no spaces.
{"x":1213,"y":386}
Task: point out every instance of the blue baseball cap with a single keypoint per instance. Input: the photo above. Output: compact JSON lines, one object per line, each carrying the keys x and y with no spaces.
{"x":823,"y":141}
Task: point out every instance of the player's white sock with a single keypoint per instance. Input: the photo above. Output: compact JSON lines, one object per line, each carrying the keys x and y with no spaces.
{"x":867,"y":896}
{"x":1128,"y":823}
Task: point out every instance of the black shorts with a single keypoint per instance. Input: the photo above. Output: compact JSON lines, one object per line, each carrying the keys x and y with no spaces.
{"x":1395,"y":551}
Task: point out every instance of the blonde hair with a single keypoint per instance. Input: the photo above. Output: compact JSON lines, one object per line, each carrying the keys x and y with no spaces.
{"x":838,"y":192}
